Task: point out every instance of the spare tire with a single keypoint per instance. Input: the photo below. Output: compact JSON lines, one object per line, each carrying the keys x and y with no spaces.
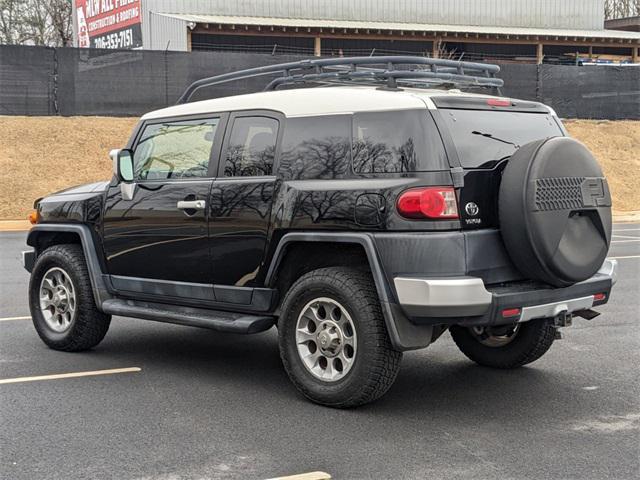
{"x":555,"y":211}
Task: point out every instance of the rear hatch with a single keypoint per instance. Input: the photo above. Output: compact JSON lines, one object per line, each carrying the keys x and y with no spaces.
{"x":483,"y":133}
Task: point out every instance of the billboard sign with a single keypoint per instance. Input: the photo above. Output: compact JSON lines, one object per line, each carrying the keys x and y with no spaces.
{"x":109,"y":23}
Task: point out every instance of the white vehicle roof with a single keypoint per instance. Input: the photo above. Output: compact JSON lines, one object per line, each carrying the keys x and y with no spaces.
{"x":314,"y":101}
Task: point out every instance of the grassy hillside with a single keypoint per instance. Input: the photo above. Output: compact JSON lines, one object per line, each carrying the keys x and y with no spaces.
{"x":616,"y":145}
{"x":40,"y":155}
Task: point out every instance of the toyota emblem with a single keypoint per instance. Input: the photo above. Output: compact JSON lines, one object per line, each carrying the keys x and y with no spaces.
{"x":471,"y":209}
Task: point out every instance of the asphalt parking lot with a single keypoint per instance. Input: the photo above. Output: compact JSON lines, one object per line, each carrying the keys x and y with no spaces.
{"x":199,"y":404}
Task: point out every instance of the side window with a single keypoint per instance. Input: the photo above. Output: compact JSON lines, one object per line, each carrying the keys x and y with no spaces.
{"x":395,"y":142}
{"x":175,"y":150}
{"x":251,"y":148}
{"x":316,"y":147}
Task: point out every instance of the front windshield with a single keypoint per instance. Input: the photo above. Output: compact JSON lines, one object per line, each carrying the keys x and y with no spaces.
{"x":484,"y":150}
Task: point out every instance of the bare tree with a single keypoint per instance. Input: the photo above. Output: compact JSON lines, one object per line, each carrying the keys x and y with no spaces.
{"x":36,"y":22}
{"x":621,"y":8}
{"x":12,"y":13}
{"x":60,"y":13}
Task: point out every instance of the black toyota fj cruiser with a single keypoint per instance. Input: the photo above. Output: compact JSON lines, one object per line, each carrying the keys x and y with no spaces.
{"x":363,"y":217}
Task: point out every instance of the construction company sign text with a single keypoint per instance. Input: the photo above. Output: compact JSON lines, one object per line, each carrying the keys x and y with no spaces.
{"x":109,"y":23}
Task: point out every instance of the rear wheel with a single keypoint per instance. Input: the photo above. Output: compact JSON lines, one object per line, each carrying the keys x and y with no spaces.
{"x":61,"y":300}
{"x":508,"y":346}
{"x":333,"y":340}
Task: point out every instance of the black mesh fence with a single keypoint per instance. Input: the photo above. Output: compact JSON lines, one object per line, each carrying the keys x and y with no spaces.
{"x":591,"y":91}
{"x":521,"y":81}
{"x":108,"y":82}
{"x":27,"y":80}
{"x":68,"y":81}
{"x":185,"y":68}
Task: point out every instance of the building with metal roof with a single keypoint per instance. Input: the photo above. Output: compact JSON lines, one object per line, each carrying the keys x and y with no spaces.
{"x":493,"y":30}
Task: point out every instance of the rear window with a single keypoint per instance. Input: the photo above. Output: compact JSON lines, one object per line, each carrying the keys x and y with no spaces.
{"x":316,"y":147}
{"x":252,"y":147}
{"x":396,"y":142}
{"x":483,"y":138}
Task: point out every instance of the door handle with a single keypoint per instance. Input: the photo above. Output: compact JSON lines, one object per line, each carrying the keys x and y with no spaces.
{"x":192,"y":205}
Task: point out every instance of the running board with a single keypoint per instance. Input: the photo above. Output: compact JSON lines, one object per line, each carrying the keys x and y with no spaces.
{"x":194,"y":317}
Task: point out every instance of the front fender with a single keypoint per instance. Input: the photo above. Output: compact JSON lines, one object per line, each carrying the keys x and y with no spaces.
{"x":99,"y":283}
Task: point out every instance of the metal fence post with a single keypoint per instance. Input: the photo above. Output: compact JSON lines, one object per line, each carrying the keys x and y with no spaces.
{"x":166,"y":77}
{"x":538,"y":83}
{"x":56,"y":108}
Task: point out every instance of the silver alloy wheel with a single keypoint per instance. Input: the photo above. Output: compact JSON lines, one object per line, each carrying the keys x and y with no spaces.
{"x":495,"y":336}
{"x":326,"y":339}
{"x":57,"y":299}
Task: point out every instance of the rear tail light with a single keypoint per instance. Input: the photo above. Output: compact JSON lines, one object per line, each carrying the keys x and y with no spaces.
{"x":428,"y":202}
{"x":598,"y":297}
{"x":510,"y":312}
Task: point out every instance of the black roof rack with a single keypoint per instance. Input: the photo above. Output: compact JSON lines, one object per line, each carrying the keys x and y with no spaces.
{"x":388,"y":71}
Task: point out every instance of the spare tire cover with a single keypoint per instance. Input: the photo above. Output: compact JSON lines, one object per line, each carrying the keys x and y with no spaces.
{"x":555,"y":211}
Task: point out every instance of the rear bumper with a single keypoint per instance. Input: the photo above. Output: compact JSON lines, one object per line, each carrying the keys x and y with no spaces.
{"x":467,"y":300}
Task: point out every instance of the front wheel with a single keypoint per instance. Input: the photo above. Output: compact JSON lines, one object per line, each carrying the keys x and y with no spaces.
{"x":506,"y":346}
{"x":61,"y":301}
{"x":333,"y":340}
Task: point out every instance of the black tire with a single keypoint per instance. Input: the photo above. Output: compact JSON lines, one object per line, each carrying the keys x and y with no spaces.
{"x":531,"y":341}
{"x":88,"y":325}
{"x":376,"y":363}
{"x":555,"y":211}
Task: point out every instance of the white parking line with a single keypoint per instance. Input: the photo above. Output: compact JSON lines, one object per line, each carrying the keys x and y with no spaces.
{"x":625,"y":236}
{"x":9,"y":319}
{"x":306,"y":476}
{"x":627,"y":230}
{"x":625,"y":241}
{"x":627,"y":256}
{"x":59,"y":376}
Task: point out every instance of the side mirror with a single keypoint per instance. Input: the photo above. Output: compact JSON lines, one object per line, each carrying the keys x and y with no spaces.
{"x":122,"y":164}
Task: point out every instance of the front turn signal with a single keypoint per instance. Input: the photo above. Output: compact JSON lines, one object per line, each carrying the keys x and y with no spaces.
{"x":34,"y":217}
